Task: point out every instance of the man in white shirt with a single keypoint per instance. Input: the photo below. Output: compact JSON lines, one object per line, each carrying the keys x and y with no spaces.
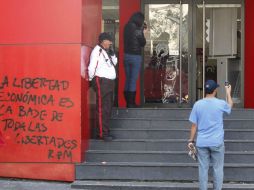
{"x":102,"y":72}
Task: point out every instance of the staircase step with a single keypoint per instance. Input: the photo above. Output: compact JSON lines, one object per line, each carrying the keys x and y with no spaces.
{"x":163,"y":145}
{"x":157,"y":171}
{"x":140,"y":123}
{"x":151,"y":113}
{"x":160,"y":156}
{"x":150,"y":152}
{"x":175,"y":133}
{"x":134,"y":185}
{"x":174,"y":113}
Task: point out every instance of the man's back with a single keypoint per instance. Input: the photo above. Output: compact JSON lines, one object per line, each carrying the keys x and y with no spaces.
{"x":207,"y":114}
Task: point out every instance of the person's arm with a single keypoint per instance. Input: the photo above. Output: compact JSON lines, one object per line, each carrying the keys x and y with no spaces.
{"x":141,"y":38}
{"x":192,"y":132}
{"x":192,"y":135}
{"x":94,"y":59}
{"x":228,"y":94}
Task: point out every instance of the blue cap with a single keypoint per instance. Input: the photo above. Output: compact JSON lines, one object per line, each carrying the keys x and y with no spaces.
{"x":210,"y":86}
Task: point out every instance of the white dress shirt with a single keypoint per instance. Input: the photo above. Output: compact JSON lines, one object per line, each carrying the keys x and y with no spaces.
{"x":100,"y":64}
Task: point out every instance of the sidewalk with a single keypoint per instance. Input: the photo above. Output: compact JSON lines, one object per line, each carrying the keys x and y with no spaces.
{"x":22,"y":184}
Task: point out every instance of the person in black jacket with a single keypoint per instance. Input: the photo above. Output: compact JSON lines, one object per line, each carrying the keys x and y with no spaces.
{"x":134,"y":41}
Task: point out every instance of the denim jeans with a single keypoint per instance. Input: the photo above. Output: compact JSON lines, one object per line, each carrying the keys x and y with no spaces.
{"x":215,"y":157}
{"x":132,"y":65}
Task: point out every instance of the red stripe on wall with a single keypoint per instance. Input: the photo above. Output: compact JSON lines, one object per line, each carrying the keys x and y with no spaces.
{"x":249,"y":55}
{"x":127,"y":8}
{"x":99,"y":104}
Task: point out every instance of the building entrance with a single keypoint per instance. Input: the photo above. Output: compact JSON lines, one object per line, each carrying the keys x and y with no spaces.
{"x":188,"y":43}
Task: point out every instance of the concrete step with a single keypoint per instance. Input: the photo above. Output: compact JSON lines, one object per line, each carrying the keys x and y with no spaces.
{"x":157,"y":171}
{"x":163,"y":145}
{"x":230,"y":134}
{"x":172,"y":113}
{"x":139,"y":123}
{"x":135,"y":185}
{"x":151,"y":113}
{"x":160,"y":156}
{"x":150,"y":152}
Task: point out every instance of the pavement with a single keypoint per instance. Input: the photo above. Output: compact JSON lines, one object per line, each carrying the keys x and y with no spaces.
{"x":22,"y":184}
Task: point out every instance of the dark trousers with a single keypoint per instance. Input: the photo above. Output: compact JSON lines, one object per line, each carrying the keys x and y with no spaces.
{"x":104,"y":102}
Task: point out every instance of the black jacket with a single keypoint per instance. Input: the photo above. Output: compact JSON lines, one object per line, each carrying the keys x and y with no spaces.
{"x":134,"y":39}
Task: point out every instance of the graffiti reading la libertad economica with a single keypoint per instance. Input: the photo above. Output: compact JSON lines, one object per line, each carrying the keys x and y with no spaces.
{"x":30,"y":107}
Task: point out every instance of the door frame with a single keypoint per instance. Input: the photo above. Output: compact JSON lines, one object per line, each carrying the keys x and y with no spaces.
{"x":192,"y":48}
{"x":190,"y":53}
{"x":242,"y":3}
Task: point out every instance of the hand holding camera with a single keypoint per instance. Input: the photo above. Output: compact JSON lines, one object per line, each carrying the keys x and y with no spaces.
{"x":145,"y":28}
{"x":111,"y":51}
{"x":192,"y":151}
{"x":227,"y":87}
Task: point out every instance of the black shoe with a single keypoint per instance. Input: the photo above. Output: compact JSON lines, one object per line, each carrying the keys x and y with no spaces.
{"x":97,"y":138}
{"x":132,"y":106}
{"x":131,"y":100}
{"x":107,"y":138}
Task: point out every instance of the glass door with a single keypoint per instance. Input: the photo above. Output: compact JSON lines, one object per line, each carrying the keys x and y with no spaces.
{"x":218,"y":36}
{"x":189,"y":42}
{"x":166,"y":54}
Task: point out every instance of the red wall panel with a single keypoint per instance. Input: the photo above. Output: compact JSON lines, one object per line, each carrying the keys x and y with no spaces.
{"x":127,"y":8}
{"x":40,"y":103}
{"x":91,"y":21}
{"x":40,"y":41}
{"x":249,"y":55}
{"x":85,"y":109}
{"x":91,"y":28}
{"x":40,"y":21}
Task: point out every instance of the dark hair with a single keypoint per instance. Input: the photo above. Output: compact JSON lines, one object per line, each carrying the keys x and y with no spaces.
{"x":209,"y":91}
{"x":138,"y":18}
{"x":105,"y":36}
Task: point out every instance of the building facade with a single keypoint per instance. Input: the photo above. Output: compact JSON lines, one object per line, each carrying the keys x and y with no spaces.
{"x":45,"y":47}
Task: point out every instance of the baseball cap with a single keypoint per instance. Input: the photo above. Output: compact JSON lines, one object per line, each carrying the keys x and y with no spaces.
{"x":210,"y":86}
{"x":105,"y":36}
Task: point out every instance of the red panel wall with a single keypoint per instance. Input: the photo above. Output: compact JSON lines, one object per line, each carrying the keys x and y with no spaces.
{"x":249,"y":55}
{"x":91,"y":21}
{"x":127,"y":8}
{"x":40,"y":86}
{"x":91,"y":28}
{"x":40,"y":21}
{"x":40,"y":100}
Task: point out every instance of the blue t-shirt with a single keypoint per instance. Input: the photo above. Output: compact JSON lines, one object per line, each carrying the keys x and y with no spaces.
{"x":207,"y":114}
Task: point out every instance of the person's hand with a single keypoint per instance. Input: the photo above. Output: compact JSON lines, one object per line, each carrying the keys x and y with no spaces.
{"x":191,"y":145}
{"x":192,"y":151}
{"x":111,"y":51}
{"x":145,"y":30}
{"x":228,"y":89}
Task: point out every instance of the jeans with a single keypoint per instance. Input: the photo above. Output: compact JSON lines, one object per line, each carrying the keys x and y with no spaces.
{"x":215,"y":157}
{"x":132,"y":65}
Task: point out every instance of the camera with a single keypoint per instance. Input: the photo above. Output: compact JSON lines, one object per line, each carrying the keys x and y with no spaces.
{"x":227,"y":83}
{"x":111,"y":51}
{"x":144,"y":26}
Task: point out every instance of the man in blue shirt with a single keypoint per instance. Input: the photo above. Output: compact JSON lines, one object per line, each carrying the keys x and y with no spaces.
{"x":207,"y":121}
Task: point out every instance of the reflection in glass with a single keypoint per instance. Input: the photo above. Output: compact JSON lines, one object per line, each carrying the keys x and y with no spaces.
{"x":162,"y":69}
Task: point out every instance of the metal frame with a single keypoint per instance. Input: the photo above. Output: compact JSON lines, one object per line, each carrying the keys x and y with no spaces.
{"x":180,"y":2}
{"x":192,"y":45}
{"x":242,"y":3}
